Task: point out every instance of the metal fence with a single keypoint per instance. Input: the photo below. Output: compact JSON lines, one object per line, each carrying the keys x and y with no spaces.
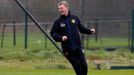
{"x":115,"y":31}
{"x":87,"y":9}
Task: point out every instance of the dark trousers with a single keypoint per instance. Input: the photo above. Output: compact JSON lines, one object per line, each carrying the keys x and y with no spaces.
{"x":77,"y":58}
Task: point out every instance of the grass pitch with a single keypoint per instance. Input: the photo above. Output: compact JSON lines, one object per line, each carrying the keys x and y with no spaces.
{"x":64,"y":72}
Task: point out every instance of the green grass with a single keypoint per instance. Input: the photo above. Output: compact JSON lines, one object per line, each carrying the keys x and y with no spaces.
{"x":36,"y":72}
{"x":64,"y":72}
{"x":38,"y":40}
{"x":36,"y":56}
{"x":107,"y":42}
{"x":30,"y":59}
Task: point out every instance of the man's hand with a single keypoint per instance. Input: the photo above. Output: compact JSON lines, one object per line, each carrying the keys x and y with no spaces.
{"x":64,"y":38}
{"x":92,"y":30}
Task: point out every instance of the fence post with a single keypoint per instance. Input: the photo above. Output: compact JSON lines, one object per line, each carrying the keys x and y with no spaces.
{"x":3,"y":34}
{"x":82,"y":19}
{"x":96,"y":27}
{"x":132,"y":33}
{"x":14,"y":33}
{"x":88,"y":36}
{"x":26,"y":30}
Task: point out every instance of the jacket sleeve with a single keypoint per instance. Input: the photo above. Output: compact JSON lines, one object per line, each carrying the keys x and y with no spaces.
{"x":54,"y":33}
{"x":82,"y":29}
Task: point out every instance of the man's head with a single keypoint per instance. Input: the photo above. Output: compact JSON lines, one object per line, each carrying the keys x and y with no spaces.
{"x":63,"y":8}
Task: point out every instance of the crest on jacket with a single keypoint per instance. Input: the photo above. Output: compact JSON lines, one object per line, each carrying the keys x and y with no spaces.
{"x":73,"y":21}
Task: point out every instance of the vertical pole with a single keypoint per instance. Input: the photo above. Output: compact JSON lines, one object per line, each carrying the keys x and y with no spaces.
{"x":3,"y":34}
{"x":26,"y":30}
{"x":88,"y":36}
{"x":81,"y":16}
{"x":129,"y":34}
{"x":14,"y":34}
{"x":96,"y":27}
{"x":132,"y":33}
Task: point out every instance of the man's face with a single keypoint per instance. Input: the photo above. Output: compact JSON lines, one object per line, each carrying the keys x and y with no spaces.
{"x":63,"y":10}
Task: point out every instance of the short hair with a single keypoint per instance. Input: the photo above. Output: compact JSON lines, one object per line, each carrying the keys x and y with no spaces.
{"x":64,"y":3}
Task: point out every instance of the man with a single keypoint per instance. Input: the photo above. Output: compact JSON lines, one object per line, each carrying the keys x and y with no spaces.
{"x":65,"y":30}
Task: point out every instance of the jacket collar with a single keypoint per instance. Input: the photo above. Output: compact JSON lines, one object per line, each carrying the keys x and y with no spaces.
{"x":63,"y":16}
